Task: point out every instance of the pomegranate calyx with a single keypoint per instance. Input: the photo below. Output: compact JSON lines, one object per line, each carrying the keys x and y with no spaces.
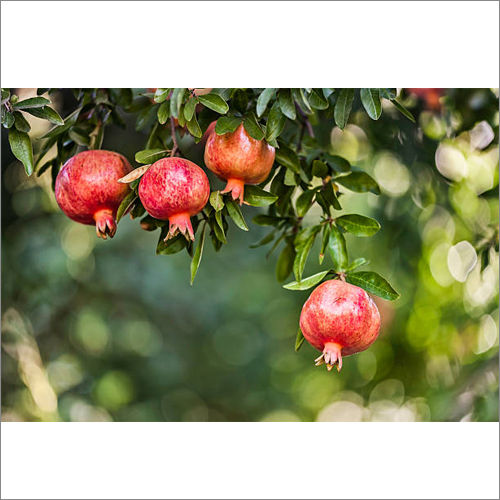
{"x":237,"y":189}
{"x":180,"y":223}
{"x":331,"y":355}
{"x":105,"y":224}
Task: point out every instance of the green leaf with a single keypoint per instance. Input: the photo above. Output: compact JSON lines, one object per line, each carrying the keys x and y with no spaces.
{"x":189,"y":108}
{"x":252,"y":127}
{"x":329,"y":196}
{"x":343,"y":107}
{"x":257,"y":197}
{"x":148,"y":156}
{"x":264,"y":241}
{"x":126,"y":203}
{"x":216,"y":201}
{"x":198,"y":253}
{"x":370,"y":99}
{"x":299,"y":340}
{"x":288,"y":158}
{"x":317,"y":101}
{"x":164,"y":112}
{"x":286,"y":103}
{"x":5,"y":94}
{"x":219,"y":228}
{"x":388,"y":93}
{"x":46,"y":113}
{"x":284,"y":265}
{"x":235,"y":213}
{"x":339,"y":164}
{"x":8,"y":118}
{"x":79,"y":137}
{"x":304,"y":202}
{"x":275,"y":122}
{"x":359,"y":182}
{"x":194,"y":127}
{"x":301,"y":99}
{"x":161,"y":95}
{"x":358,"y":224}
{"x":176,"y":101}
{"x":20,"y":122}
{"x":267,"y":220}
{"x":303,"y":247}
{"x":403,"y":110}
{"x":227,"y":124}
{"x":319,"y":168}
{"x":306,"y":283}
{"x":360,"y":261}
{"x":373,"y":283}
{"x":337,"y":249}
{"x":32,"y":102}
{"x":263,"y":100}
{"x":172,"y":245}
{"x":20,"y":145}
{"x":215,"y":103}
{"x":69,"y":121}
{"x":324,"y":243}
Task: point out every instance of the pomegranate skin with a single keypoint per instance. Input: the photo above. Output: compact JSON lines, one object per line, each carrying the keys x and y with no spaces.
{"x":239,"y":159}
{"x":429,"y":96}
{"x":339,"y":319}
{"x":87,"y":189}
{"x":174,"y":189}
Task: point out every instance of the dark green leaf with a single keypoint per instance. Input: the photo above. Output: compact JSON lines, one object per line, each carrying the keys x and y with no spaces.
{"x":235,"y":213}
{"x":301,"y":99}
{"x":388,"y":93}
{"x":403,"y":110}
{"x":329,"y":196}
{"x":216,"y":201}
{"x":324,"y":243}
{"x":176,"y":101}
{"x":284,"y":265}
{"x":370,"y":99}
{"x":317,"y":101}
{"x":189,"y":108}
{"x":79,"y":137}
{"x":275,"y":122}
{"x":257,"y":197}
{"x":304,"y":202}
{"x":20,"y":145}
{"x":194,"y":127}
{"x":69,"y":121}
{"x":218,"y":228}
{"x":286,"y":103}
{"x":46,"y":113}
{"x":172,"y":245}
{"x":267,"y":220}
{"x":373,"y":283}
{"x":263,"y":100}
{"x":319,"y":169}
{"x":299,"y":340}
{"x":164,"y":112}
{"x":148,"y":156}
{"x":359,"y":182}
{"x":339,"y":164}
{"x":125,"y":205}
{"x":343,"y":107}
{"x":215,"y":103}
{"x":198,"y":253}
{"x":358,"y":224}
{"x":8,"y":118}
{"x":252,"y":127}
{"x":303,"y":248}
{"x":288,"y":158}
{"x":227,"y":124}
{"x":306,"y":283}
{"x":21,"y":123}
{"x":360,"y":261}
{"x":337,"y":249}
{"x":32,"y":102}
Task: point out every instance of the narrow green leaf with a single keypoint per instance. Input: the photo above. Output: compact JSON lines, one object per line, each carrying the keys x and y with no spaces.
{"x":306,"y":283}
{"x":198,"y":253}
{"x":8,"y":118}
{"x":20,"y":122}
{"x":194,"y":127}
{"x":176,"y":101}
{"x":324,"y":243}
{"x":161,"y":95}
{"x":301,"y":99}
{"x":286,"y":103}
{"x":343,"y":107}
{"x":20,"y":145}
{"x":216,"y":201}
{"x":235,"y":213}
{"x":267,"y":220}
{"x":163,"y":112}
{"x":373,"y":283}
{"x":319,"y":168}
{"x":214,"y":102}
{"x":339,"y":164}
{"x":304,"y":202}
{"x":257,"y":197}
{"x":284,"y":265}
{"x":32,"y":102}
{"x":218,"y":228}
{"x":264,"y":241}
{"x":359,"y":182}
{"x":360,"y":261}
{"x":317,"y":101}
{"x":227,"y":124}
{"x":303,"y":250}
{"x":370,"y":99}
{"x":358,"y":224}
{"x":337,"y":249}
{"x":69,"y":121}
{"x":46,"y":113}
{"x":403,"y":110}
{"x":263,"y":100}
{"x":172,"y":245}
{"x":148,"y":156}
{"x":275,"y":122}
{"x":125,"y":205}
{"x":189,"y":108}
{"x":388,"y":93}
{"x":288,"y":158}
{"x":252,"y":127}
{"x":299,"y":340}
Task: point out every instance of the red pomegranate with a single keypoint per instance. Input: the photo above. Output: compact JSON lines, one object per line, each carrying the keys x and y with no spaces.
{"x":429,"y":96}
{"x":239,"y":159}
{"x":174,"y":189}
{"x":87,"y":189}
{"x":339,"y":319}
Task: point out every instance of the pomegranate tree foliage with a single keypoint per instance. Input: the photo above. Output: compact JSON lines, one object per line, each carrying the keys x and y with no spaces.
{"x":304,"y":172}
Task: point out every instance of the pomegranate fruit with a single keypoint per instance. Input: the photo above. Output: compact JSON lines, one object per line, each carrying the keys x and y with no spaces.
{"x":239,"y":159}
{"x":87,"y":189}
{"x":339,"y":319}
{"x":174,"y":189}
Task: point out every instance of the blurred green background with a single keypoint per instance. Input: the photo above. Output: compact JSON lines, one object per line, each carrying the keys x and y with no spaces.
{"x":98,"y":330}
